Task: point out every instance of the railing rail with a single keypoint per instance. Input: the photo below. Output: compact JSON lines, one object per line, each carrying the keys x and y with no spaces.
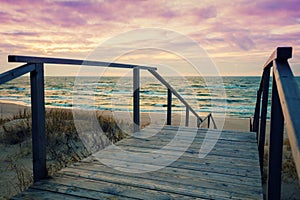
{"x":285,"y":99}
{"x":63,"y":61}
{"x":171,"y":91}
{"x":35,"y":66}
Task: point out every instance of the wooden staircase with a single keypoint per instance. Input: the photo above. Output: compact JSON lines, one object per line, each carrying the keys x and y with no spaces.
{"x":229,"y":171}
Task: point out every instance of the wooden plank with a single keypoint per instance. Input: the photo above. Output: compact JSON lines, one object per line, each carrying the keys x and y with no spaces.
{"x":177,"y":188}
{"x":77,"y":188}
{"x":184,"y":176}
{"x":191,"y":129}
{"x":167,"y":136}
{"x":31,"y":59}
{"x":38,"y":122}
{"x":185,"y":182}
{"x":154,"y":161}
{"x":201,"y":133}
{"x":16,"y":72}
{"x":208,"y":165}
{"x":193,"y":146}
{"x":240,"y":157}
{"x":224,"y":133}
{"x":152,"y":155}
{"x":195,"y":137}
{"x":186,"y":162}
{"x":35,"y":194}
{"x":111,"y":189}
{"x":177,"y":172}
{"x":191,"y":149}
{"x":289,"y":96}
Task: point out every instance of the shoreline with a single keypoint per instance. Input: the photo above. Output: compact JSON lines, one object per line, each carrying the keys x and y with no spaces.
{"x":202,"y":114}
{"x":10,"y":108}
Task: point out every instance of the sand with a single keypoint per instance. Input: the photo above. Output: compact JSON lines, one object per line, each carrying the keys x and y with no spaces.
{"x":290,"y":186}
{"x":8,"y":109}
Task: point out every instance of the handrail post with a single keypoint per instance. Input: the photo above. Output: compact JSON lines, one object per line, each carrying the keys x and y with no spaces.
{"x":256,"y":114}
{"x":169,"y":111}
{"x":275,"y":146}
{"x":38,"y":122}
{"x":164,"y":82}
{"x":264,"y":109}
{"x":208,"y":121}
{"x":136,"y":99}
{"x":187,"y":116}
{"x":198,"y":123}
{"x":251,"y":125}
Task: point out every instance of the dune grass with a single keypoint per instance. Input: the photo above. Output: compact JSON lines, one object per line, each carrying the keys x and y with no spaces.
{"x":288,"y":164}
{"x":59,"y":122}
{"x":64,"y":145}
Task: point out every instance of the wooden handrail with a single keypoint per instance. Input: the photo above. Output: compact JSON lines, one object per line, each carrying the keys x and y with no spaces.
{"x":16,"y":72}
{"x":289,"y":96}
{"x":209,"y":118}
{"x":63,"y":61}
{"x":281,"y":53}
{"x":285,"y":96}
{"x":35,"y":66}
{"x":173,"y":91}
{"x":38,"y":113}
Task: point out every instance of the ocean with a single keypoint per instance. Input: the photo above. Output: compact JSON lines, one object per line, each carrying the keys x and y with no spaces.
{"x":115,"y":93}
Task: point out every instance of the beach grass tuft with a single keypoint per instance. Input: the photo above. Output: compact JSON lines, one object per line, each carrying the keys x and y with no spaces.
{"x":64,"y":146}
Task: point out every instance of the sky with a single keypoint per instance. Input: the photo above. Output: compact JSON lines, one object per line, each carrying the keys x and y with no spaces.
{"x":237,"y":35}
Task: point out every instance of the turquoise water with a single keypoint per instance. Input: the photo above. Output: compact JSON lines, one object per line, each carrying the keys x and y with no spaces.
{"x":115,"y":93}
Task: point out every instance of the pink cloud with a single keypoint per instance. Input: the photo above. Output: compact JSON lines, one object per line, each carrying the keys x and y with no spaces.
{"x":4,"y":17}
{"x":292,"y":6}
{"x":203,"y":13}
{"x":271,"y":11}
{"x":19,"y":33}
{"x":236,"y":26}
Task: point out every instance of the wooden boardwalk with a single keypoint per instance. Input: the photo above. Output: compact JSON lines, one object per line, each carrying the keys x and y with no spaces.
{"x":230,"y":171}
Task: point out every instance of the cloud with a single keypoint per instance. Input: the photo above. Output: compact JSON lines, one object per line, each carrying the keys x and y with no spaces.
{"x":279,"y":6}
{"x":19,"y":33}
{"x":223,"y":28}
{"x":4,"y":17}
{"x":290,"y":29}
{"x":203,"y":13}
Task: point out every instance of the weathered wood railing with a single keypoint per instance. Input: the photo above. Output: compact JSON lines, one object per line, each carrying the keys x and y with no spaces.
{"x":35,"y":66}
{"x":285,"y":101}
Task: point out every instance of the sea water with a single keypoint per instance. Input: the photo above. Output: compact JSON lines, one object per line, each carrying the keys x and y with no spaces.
{"x":233,"y":96}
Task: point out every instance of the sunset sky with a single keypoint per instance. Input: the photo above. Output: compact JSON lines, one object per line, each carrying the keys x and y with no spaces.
{"x":238,"y":35}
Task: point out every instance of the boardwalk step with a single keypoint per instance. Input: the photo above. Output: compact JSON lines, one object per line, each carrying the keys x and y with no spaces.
{"x":229,"y":171}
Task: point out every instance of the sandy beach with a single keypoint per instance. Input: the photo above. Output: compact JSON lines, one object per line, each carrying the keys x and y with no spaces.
{"x":8,"y":109}
{"x":290,"y":187}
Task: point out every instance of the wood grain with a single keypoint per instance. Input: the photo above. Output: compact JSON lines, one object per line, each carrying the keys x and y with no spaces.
{"x":230,"y":171}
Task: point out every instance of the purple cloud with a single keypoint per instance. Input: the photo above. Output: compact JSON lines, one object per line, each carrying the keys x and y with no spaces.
{"x":75,"y":4}
{"x":203,"y":13}
{"x":19,"y":33}
{"x":279,"y":5}
{"x":220,"y":26}
{"x":4,"y":17}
